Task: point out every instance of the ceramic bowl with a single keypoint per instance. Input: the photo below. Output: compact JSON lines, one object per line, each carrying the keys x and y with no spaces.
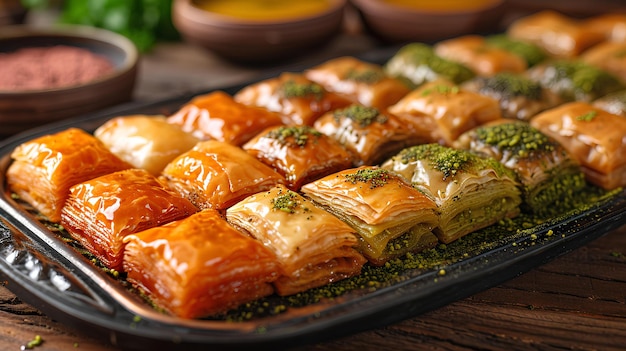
{"x":23,"y":109}
{"x":398,"y":24}
{"x":256,"y":41}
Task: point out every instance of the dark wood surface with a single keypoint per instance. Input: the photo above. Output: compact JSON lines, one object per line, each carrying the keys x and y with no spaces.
{"x":575,"y":302}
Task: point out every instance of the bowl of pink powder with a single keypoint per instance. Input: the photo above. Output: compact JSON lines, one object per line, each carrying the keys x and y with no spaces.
{"x":49,"y":74}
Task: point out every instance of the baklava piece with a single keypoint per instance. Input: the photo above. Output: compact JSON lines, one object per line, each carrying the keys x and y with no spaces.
{"x":574,"y":80}
{"x":609,"y":56}
{"x":44,"y":169}
{"x":611,"y":26}
{"x":100,"y":212}
{"x":297,"y":99}
{"x":474,"y":52}
{"x":390,"y":216}
{"x":443,"y":111}
{"x":314,"y":247}
{"x":614,"y":103}
{"x":218,"y":116}
{"x":418,"y":64}
{"x":300,"y":154}
{"x":471,"y":192}
{"x":519,"y":97}
{"x":199,"y":266}
{"x":369,"y":134}
{"x":596,"y":138}
{"x":558,"y":35}
{"x":531,"y":53}
{"x":216,"y":175}
{"x":362,"y":82}
{"x":146,"y":142}
{"x":548,"y":174}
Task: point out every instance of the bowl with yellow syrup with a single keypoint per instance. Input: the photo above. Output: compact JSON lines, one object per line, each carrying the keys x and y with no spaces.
{"x":258,"y":31}
{"x":397,"y":21}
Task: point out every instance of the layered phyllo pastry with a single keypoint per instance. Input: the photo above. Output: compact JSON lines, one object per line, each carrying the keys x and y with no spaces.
{"x":611,"y":26}
{"x":595,"y":137}
{"x":519,"y":97}
{"x":199,"y":266}
{"x":614,"y":103}
{"x":471,"y":192}
{"x":531,"y":53}
{"x":558,"y":35}
{"x":216,"y":175}
{"x":300,"y":154}
{"x":218,"y":116}
{"x":475,"y":52}
{"x":574,"y":80}
{"x":418,"y":64}
{"x":442,"y":111}
{"x":609,"y":56}
{"x":44,"y":169}
{"x":314,"y":247}
{"x":368,"y":133}
{"x":100,"y":212}
{"x":547,"y":172}
{"x":297,"y":99}
{"x":390,"y":216}
{"x":146,"y":142}
{"x":362,"y":82}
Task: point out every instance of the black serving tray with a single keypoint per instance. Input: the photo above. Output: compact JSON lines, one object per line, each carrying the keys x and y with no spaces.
{"x":47,"y":273}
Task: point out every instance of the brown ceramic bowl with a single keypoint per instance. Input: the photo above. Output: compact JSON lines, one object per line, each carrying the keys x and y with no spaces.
{"x":23,"y":109}
{"x":398,"y":24}
{"x":249,"y":41}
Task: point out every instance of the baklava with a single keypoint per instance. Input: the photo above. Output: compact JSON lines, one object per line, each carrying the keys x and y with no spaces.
{"x":390,"y":216}
{"x":471,"y":192}
{"x":199,"y":266}
{"x":44,"y":169}
{"x":314,"y":247}
{"x":100,"y":212}
{"x":216,"y":175}
{"x":300,"y":154}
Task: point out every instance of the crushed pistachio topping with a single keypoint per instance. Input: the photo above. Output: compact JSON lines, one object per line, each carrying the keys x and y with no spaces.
{"x":442,"y":89}
{"x":375,"y":177}
{"x":292,"y":89}
{"x":420,"y":54}
{"x":531,"y":53}
{"x":37,"y":341}
{"x":287,"y":201}
{"x":519,"y":138}
{"x":294,"y":135}
{"x":361,"y":114}
{"x":447,"y":160}
{"x":587,"y":117}
{"x":368,"y":76}
{"x":508,"y":85}
{"x":583,"y":77}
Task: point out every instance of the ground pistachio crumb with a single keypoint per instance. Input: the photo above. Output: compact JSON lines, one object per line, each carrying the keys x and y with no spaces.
{"x":37,"y":341}
{"x":375,"y":177}
{"x":293,"y":89}
{"x":368,"y":76}
{"x":294,"y":135}
{"x":587,"y":117}
{"x":363,"y":115}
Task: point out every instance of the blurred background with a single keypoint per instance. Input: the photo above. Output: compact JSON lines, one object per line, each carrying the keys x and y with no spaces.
{"x":190,"y":46}
{"x":146,"y":22}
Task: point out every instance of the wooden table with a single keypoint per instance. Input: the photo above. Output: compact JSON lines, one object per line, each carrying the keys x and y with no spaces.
{"x":575,"y":302}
